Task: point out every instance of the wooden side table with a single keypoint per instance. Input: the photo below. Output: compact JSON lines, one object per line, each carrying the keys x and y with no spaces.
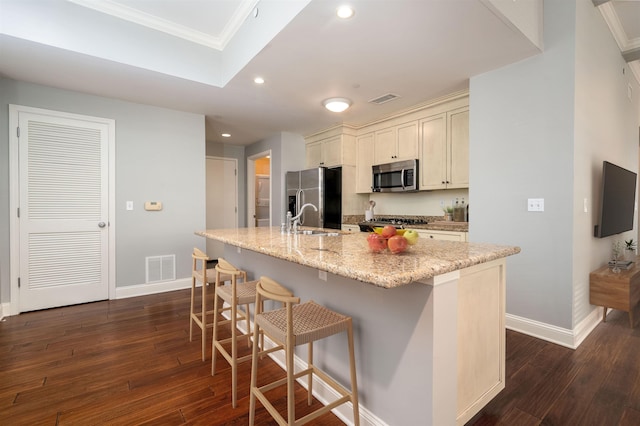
{"x":617,"y":291}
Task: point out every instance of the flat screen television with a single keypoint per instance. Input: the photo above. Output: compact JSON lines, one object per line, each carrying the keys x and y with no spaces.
{"x":618,"y":199}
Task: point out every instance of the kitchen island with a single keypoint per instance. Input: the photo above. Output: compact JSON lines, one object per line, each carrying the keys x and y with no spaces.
{"x":429,"y":323}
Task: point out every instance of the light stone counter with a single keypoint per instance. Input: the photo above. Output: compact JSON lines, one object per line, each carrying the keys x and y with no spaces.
{"x":348,"y":254}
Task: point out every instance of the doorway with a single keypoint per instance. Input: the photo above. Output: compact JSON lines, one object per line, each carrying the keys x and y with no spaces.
{"x":62,"y":190}
{"x":222,"y":199}
{"x":259,"y":190}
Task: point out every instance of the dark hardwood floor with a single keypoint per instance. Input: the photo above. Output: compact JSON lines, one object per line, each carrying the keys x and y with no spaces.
{"x":130,"y":361}
{"x":546,"y":384}
{"x":123,"y":362}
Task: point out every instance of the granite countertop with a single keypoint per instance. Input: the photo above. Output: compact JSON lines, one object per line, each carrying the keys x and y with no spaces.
{"x":348,"y":254}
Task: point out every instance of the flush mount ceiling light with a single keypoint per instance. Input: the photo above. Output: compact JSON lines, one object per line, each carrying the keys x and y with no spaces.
{"x":336,"y":104}
{"x":345,"y":12}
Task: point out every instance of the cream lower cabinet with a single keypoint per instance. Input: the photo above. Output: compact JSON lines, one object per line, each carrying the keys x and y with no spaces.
{"x":444,"y":150}
{"x":442,"y":235}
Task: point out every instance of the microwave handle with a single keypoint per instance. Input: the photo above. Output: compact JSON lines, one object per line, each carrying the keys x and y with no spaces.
{"x":402,"y":178}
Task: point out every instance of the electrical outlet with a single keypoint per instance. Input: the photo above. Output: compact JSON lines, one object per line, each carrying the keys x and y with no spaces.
{"x":239,"y":250}
{"x":535,"y":204}
{"x":322,"y":275}
{"x":129,"y":205}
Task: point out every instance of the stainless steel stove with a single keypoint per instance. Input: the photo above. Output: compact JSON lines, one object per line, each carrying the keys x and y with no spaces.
{"x":397,"y":222}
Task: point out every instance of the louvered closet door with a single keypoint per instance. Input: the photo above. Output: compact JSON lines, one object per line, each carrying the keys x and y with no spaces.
{"x":63,"y":211}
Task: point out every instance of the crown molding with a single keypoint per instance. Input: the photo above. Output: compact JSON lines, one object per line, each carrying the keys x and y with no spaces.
{"x":117,"y":10}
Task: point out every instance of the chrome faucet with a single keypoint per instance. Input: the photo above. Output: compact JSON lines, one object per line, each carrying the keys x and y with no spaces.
{"x":296,"y":219}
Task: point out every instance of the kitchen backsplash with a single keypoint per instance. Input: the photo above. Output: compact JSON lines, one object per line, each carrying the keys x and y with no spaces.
{"x":422,"y":203}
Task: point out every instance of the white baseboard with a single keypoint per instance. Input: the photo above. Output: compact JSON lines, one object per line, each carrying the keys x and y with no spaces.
{"x":5,"y":308}
{"x":153,"y":288}
{"x":551,"y":333}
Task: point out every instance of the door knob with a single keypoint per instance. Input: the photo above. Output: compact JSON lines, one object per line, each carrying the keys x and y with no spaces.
{"x":102,"y":225}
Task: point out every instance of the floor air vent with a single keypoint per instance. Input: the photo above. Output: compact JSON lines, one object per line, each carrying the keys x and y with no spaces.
{"x":161,"y":268}
{"x":384,"y":99}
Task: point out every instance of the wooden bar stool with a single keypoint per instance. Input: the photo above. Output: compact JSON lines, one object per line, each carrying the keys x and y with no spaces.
{"x":206,"y":277}
{"x":290,"y":326}
{"x":234,"y":294}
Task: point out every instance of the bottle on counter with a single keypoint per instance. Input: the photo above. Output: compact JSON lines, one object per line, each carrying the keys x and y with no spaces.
{"x":459,"y":211}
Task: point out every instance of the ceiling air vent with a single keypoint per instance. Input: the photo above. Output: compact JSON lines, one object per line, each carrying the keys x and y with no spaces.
{"x":384,"y":99}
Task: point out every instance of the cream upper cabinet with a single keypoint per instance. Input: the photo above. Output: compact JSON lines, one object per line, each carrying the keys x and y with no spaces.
{"x":330,"y":152}
{"x":314,"y":154}
{"x":458,"y":121}
{"x":444,"y":147}
{"x":364,"y":161}
{"x":396,"y":143}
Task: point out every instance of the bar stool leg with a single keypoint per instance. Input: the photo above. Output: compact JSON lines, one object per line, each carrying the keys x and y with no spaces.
{"x":254,"y":375}
{"x":193,"y":300}
{"x":310,"y":380}
{"x":291,"y":406}
{"x":204,"y":321}
{"x":234,"y":353}
{"x":215,"y":335}
{"x":352,"y":369}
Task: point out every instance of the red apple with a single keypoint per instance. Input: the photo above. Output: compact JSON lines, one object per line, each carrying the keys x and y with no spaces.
{"x":388,"y":231}
{"x":397,"y":244}
{"x":377,"y":243}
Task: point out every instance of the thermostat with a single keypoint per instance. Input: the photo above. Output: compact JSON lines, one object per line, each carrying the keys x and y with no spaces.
{"x":153,"y":205}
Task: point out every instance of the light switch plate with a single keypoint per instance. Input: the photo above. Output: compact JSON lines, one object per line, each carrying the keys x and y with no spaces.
{"x":129,"y":205}
{"x":535,"y":204}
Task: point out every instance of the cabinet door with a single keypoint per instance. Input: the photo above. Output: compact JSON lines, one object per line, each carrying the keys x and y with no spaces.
{"x":433,"y":147}
{"x":332,"y":151}
{"x":385,"y":146}
{"x":364,"y":161}
{"x":443,"y":235}
{"x":314,"y":154}
{"x":458,"y":155}
{"x":407,"y":141}
{"x":350,"y":228}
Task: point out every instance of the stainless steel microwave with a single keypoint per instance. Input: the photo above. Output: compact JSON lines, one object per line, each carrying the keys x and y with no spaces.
{"x":399,"y":176}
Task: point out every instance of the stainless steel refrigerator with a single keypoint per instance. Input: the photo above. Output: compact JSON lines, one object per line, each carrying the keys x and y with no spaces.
{"x":321,"y":187}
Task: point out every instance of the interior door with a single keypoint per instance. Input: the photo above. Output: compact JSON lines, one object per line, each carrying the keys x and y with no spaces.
{"x":222,"y":199}
{"x":63,"y":209}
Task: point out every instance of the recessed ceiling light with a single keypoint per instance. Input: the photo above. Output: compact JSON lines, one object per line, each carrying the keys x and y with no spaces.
{"x":258,"y":80}
{"x":226,"y":135}
{"x":336,"y":104}
{"x":345,"y":12}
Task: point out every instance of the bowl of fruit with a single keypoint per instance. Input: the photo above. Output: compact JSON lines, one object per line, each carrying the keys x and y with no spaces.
{"x":392,"y":239}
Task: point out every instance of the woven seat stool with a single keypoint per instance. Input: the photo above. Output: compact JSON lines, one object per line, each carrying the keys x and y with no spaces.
{"x":206,"y":277}
{"x":293,"y":325}
{"x":234,"y":294}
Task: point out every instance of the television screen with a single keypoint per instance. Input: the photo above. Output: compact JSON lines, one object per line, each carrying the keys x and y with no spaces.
{"x":617,"y":202}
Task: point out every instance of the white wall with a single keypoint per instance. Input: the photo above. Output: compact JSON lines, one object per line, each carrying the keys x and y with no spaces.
{"x":160,"y":156}
{"x":537,"y":128}
{"x":606,"y":128}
